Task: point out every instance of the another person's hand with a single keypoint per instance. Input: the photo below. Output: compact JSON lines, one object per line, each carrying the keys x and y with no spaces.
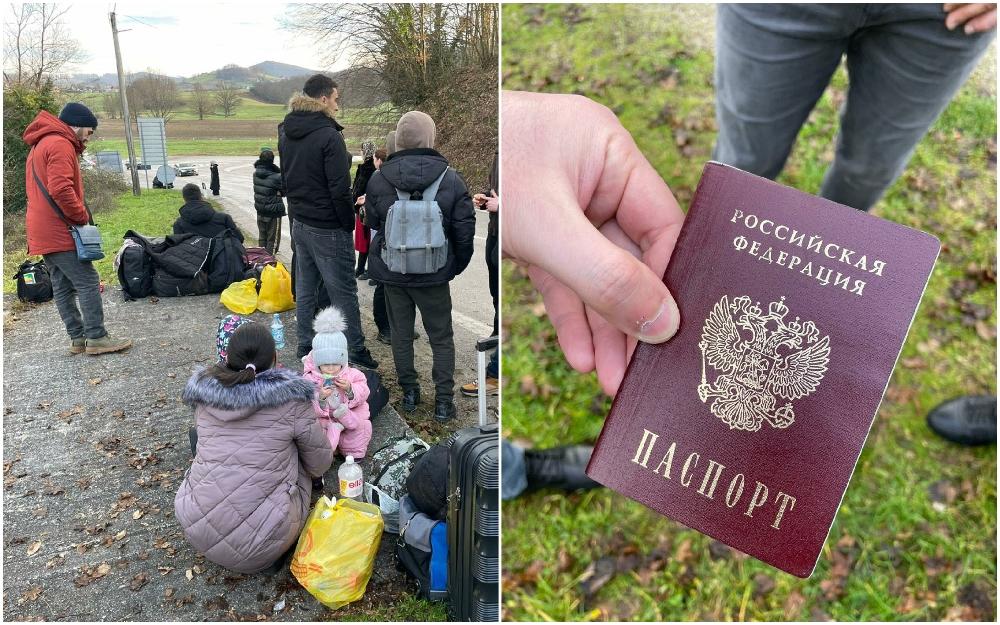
{"x":325,"y":392}
{"x":594,"y":224}
{"x":492,"y":202}
{"x":359,"y":201}
{"x":479,"y":200}
{"x":977,"y":17}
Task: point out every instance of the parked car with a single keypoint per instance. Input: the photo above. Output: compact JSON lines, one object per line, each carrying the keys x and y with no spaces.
{"x":138,"y":166}
{"x":185,"y":169}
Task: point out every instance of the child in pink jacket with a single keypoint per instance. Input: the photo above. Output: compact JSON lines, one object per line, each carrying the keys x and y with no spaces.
{"x":341,"y":402}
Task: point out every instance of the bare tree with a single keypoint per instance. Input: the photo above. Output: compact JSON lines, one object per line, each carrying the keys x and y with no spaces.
{"x":227,"y":97}
{"x":37,"y":44}
{"x":111,"y":104}
{"x":156,"y":94}
{"x":412,"y":47}
{"x":202,"y":102}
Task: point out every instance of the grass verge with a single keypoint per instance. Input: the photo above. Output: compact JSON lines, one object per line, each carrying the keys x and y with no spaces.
{"x":915,"y":538}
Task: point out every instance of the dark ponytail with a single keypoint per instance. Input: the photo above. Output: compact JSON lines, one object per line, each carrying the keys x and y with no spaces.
{"x":251,"y":351}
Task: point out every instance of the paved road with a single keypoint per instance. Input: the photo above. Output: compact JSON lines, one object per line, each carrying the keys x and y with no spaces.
{"x":94,"y":450}
{"x":472,"y":306}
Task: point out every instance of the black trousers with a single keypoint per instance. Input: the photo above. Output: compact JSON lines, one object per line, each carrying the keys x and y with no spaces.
{"x":268,"y":232}
{"x":379,"y":309}
{"x":434,"y":303}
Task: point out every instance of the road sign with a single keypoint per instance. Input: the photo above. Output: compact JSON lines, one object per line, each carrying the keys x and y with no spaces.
{"x":109,"y":161}
{"x":153,"y":139}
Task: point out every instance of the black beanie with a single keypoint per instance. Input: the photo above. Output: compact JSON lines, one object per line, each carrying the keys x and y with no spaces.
{"x":191,"y":192}
{"x":427,"y":483}
{"x":78,"y":115}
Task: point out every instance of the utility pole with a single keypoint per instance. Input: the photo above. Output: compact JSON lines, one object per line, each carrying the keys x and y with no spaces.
{"x":122,"y":91}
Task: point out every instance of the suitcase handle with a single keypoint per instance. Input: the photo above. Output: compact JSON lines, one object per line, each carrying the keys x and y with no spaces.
{"x":483,"y":345}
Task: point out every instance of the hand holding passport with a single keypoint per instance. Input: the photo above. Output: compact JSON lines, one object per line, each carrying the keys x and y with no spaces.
{"x":747,"y":425}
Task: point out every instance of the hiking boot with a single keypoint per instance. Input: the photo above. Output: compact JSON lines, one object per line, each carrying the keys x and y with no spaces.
{"x":969,"y":420}
{"x":411,"y":397}
{"x":444,"y":410}
{"x":364,"y":358}
{"x":318,"y":484}
{"x":78,"y":346}
{"x":559,"y":467}
{"x":106,"y":345}
{"x":472,"y":388}
{"x":384,"y":337}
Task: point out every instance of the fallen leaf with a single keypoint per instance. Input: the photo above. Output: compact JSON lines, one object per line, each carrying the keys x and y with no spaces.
{"x":118,"y":414}
{"x":169,"y":592}
{"x":986,"y":331}
{"x":33,"y":593}
{"x":763,"y":584}
{"x":164,"y":570}
{"x":189,"y":574}
{"x":197,"y":570}
{"x":138,"y":581}
{"x":137,"y":514}
{"x":120,"y":535}
{"x":35,"y":546}
{"x":597,"y":575}
{"x":278,"y":607}
{"x":82,"y":549}
{"x":94,"y":381}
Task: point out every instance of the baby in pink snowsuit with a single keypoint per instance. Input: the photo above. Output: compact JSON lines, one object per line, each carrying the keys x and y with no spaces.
{"x":341,"y":402}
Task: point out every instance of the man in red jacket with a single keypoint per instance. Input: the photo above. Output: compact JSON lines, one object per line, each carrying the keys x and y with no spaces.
{"x":56,"y":145}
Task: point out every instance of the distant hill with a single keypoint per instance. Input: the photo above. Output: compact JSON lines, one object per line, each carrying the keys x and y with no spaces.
{"x":281,"y":70}
{"x":246,"y":77}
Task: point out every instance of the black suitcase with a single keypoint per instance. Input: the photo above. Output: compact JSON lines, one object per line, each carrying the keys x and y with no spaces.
{"x":474,"y":524}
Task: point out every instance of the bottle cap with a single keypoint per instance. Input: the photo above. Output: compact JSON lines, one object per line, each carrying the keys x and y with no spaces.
{"x":350,"y":460}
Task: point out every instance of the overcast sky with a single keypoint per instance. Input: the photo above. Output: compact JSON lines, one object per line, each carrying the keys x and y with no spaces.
{"x":183,"y":39}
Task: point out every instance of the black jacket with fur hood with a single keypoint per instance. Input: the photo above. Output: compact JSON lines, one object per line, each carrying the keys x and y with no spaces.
{"x":414,"y":170}
{"x":316,"y":166}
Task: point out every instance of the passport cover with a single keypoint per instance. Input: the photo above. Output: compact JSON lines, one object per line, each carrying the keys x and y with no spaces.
{"x":748,"y":423}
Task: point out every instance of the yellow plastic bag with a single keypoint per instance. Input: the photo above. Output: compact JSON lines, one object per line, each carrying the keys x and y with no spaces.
{"x":240,"y":297}
{"x":275,"y":290}
{"x":336,"y":550}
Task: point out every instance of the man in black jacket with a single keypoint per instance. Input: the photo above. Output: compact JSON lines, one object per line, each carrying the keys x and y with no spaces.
{"x":316,"y":166}
{"x":198,"y":216}
{"x":267,"y":191}
{"x":412,"y":169}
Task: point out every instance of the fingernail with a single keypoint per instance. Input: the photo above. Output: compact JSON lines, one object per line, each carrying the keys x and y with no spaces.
{"x":950,"y":25}
{"x":969,"y":29}
{"x":662,"y":326}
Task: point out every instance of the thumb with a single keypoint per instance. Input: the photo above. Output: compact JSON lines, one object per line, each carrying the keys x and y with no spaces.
{"x":609,"y":279}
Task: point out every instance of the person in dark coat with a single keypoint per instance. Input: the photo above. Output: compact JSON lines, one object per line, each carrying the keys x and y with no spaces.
{"x":413,"y":168}
{"x":362,"y":234}
{"x":198,"y":216}
{"x":316,"y":167}
{"x":214,"y":184}
{"x":267,"y":191}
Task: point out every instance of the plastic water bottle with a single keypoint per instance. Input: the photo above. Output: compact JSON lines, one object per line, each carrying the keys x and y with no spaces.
{"x":351,"y":479}
{"x":278,"y":332}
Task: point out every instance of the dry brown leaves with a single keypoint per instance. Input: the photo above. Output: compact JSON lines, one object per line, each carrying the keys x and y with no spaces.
{"x":90,"y":574}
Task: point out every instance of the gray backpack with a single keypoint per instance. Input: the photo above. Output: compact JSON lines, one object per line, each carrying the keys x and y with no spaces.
{"x":414,"y":233}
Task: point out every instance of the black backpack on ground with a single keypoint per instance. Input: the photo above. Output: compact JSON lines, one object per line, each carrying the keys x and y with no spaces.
{"x":225,"y":262}
{"x":474,"y":524}
{"x":167,"y":285}
{"x":33,"y":282}
{"x":378,"y":395}
{"x":135,"y":272}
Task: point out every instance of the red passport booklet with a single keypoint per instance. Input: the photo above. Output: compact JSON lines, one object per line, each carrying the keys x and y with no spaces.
{"x":748,"y":423}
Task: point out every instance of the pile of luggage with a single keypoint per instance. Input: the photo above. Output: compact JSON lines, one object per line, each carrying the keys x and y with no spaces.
{"x":182,"y":264}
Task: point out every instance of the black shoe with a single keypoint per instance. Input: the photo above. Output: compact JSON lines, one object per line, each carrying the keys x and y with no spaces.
{"x":559,"y":467}
{"x":318,"y":485}
{"x":411,"y":397}
{"x":384,"y":337}
{"x":363,"y":357}
{"x":372,"y":283}
{"x":444,"y":410}
{"x":969,"y":420}
{"x":362,"y":276}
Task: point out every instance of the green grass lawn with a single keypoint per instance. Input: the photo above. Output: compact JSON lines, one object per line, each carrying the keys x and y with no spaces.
{"x":915,"y":538}
{"x":192,"y":147}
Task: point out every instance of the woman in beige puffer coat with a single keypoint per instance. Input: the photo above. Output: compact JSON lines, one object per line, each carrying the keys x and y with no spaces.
{"x":245,"y":498}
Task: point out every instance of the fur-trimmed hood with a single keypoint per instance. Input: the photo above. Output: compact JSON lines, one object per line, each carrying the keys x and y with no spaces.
{"x":306,"y":115}
{"x":269,"y":389}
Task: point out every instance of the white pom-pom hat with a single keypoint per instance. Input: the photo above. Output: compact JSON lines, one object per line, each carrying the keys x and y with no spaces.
{"x":329,"y":346}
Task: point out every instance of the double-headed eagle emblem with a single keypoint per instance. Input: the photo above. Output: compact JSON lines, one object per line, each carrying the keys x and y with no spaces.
{"x":761,"y":358}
